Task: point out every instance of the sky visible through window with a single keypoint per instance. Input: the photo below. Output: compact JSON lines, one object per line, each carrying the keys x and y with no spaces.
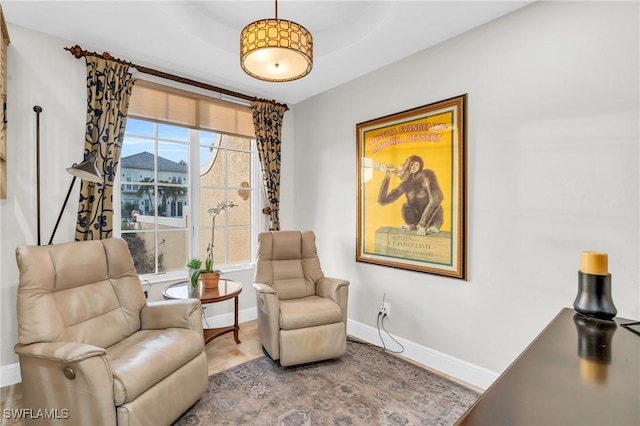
{"x":172,"y":140}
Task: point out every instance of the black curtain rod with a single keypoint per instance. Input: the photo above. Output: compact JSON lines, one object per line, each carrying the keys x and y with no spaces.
{"x":79,"y":52}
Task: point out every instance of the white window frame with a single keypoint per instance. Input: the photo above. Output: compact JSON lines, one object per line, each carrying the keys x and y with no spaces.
{"x":256,"y":197}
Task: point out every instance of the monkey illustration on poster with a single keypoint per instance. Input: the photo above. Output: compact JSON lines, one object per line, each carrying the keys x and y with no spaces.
{"x":411,"y":183}
{"x":422,"y":210}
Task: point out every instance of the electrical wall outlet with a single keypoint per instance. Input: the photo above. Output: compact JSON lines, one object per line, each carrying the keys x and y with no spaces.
{"x":385,"y":309}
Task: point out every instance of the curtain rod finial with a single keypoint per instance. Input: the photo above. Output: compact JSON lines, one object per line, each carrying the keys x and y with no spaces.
{"x":76,"y":51}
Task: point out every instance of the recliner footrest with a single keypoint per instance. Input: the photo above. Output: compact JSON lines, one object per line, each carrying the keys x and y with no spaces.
{"x":312,"y":344}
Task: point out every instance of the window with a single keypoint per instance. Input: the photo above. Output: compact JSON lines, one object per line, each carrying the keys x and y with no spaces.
{"x":183,"y":165}
{"x":129,"y":177}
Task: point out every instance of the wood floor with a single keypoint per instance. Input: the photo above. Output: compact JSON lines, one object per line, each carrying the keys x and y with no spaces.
{"x":222,"y":353}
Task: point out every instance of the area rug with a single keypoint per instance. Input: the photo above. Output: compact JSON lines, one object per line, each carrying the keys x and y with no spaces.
{"x":365,"y":387}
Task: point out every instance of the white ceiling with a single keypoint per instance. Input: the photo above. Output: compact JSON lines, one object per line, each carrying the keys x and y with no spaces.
{"x":200,"y":39}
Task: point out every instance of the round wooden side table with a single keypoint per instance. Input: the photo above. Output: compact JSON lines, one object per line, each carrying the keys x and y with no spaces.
{"x":227,"y":289}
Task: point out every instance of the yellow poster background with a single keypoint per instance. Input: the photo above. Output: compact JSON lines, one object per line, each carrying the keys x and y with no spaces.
{"x":431,"y":138}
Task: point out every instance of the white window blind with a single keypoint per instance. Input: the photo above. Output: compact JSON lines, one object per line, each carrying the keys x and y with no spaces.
{"x":166,"y":104}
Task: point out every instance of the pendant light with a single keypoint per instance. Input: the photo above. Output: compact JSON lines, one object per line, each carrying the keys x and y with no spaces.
{"x":276,"y":50}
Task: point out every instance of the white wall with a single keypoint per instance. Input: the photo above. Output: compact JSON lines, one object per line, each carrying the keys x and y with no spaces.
{"x":39,"y":73}
{"x":552,"y":149}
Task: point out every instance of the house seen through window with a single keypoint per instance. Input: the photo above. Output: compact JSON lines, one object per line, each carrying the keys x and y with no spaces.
{"x":170,"y":176}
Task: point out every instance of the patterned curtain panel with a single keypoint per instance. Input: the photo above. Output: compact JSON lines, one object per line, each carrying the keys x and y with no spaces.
{"x":267,"y":120}
{"x":109,"y":87}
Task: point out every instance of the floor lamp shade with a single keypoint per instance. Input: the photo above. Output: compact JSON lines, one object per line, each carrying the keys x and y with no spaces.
{"x":87,"y":170}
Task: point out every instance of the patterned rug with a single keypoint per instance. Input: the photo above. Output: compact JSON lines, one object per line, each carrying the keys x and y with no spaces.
{"x":365,"y":387}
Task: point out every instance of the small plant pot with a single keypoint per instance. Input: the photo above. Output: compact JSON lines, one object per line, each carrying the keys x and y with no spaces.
{"x":210,"y":279}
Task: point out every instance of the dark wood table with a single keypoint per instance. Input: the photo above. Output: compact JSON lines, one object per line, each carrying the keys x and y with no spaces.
{"x":578,"y":371}
{"x":227,"y":289}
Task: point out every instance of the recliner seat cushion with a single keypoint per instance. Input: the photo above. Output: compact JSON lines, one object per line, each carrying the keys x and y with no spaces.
{"x":309,"y":311}
{"x":148,"y":356}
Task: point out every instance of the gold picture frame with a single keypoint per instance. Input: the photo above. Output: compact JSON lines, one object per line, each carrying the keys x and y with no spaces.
{"x":412,"y":189}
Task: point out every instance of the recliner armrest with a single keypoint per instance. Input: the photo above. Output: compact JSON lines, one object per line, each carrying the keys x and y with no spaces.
{"x":328,"y":287}
{"x":264,"y":288}
{"x":59,"y":351}
{"x":71,"y":376}
{"x":177,"y":313}
{"x":268,"y":306}
{"x":268,"y":303}
{"x":335,"y":289}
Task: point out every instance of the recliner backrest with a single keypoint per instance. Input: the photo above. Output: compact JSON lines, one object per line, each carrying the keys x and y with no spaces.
{"x":83,"y":291}
{"x":288,"y":261}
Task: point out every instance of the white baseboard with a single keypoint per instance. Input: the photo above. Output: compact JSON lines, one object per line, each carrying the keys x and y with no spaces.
{"x":10,"y":374}
{"x":456,"y":369}
{"x":224,"y":320}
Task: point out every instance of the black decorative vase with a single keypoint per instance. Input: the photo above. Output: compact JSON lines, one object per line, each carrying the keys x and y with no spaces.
{"x":594,"y":338}
{"x":594,"y":347}
{"x":594,"y":296}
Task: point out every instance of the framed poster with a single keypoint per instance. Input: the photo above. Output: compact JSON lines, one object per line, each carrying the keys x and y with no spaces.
{"x":411,"y":189}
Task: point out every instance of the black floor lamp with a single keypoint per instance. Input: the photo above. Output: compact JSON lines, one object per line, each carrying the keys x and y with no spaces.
{"x":38,"y":110}
{"x":86,"y":170}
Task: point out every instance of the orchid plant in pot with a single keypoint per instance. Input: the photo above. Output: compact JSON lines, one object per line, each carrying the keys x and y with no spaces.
{"x":208,"y":275}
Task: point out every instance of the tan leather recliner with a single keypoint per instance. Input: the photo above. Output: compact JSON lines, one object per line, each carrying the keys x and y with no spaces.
{"x":302,"y":315}
{"x":92,"y":350}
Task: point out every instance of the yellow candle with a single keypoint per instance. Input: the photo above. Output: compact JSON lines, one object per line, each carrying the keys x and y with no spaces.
{"x":593,"y":372}
{"x":594,"y":263}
